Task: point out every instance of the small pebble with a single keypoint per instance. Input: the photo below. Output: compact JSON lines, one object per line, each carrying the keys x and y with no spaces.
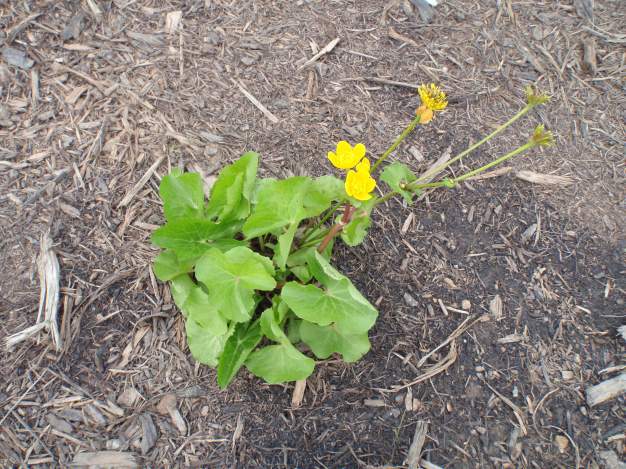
{"x":466,"y":305}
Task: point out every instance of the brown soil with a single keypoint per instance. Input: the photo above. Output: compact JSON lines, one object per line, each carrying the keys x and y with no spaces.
{"x":81,"y":127}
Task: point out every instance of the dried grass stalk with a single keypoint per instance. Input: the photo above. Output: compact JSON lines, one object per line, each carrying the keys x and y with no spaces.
{"x":49,"y":278}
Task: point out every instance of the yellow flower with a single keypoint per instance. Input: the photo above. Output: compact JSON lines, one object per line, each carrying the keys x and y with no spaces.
{"x":360,"y":183}
{"x":433,"y":99}
{"x":346,"y":157}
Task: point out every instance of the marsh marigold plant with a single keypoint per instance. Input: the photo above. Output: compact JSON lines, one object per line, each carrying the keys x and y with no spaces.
{"x":250,"y":267}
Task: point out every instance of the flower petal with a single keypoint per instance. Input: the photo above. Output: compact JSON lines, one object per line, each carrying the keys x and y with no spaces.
{"x":350,"y":183}
{"x":359,"y":150}
{"x":334,"y":159}
{"x":343,"y":148}
{"x":364,"y":165}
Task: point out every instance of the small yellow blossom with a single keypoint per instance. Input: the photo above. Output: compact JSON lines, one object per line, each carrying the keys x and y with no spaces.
{"x":346,"y":156}
{"x":360,"y":183}
{"x":433,"y":99}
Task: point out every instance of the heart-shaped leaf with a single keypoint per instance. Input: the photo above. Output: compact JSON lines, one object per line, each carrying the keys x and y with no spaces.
{"x":167,"y":266}
{"x":239,"y":345}
{"x":201,"y":310}
{"x":232,"y":192}
{"x":182,"y":195}
{"x":326,"y":340}
{"x":231,"y":279}
{"x":190,"y":238}
{"x":396,"y":175}
{"x":280,"y":363}
{"x":205,"y":346}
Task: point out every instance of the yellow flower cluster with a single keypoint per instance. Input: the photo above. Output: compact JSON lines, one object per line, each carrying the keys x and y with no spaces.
{"x":433,"y":99}
{"x":359,"y":182}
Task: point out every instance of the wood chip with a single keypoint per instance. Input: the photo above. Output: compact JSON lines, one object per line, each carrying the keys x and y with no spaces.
{"x":129,"y":397}
{"x":142,"y":182}
{"x":374,"y":403}
{"x":496,"y":307}
{"x":606,"y":390}
{"x":172,"y":21}
{"x":256,"y":102}
{"x":59,"y":424}
{"x":298,"y":393}
{"x":105,"y":460}
{"x":325,"y":50}
{"x":149,"y":433}
{"x":17,"y":58}
{"x":415,"y":451}
{"x":590,"y":61}
{"x":238,"y":431}
{"x":546,"y":179}
{"x":167,"y":406}
{"x":562,"y":443}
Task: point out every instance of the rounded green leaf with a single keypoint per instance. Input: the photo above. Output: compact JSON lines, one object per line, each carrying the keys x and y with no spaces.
{"x":231,"y":279}
{"x":200,"y":309}
{"x":232,"y":192}
{"x":205,"y":346}
{"x":340,"y":303}
{"x":239,"y":345}
{"x":189,"y":238}
{"x":167,"y":266}
{"x":180,"y":287}
{"x":396,"y":175}
{"x":280,"y":203}
{"x":326,"y":340}
{"x":280,"y":363}
{"x":182,"y":195}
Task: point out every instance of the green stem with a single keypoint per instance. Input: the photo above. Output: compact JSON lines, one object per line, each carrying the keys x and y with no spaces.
{"x":443,"y":166}
{"x":429,"y":185}
{"x":398,"y":141}
{"x":496,"y":162}
{"x":323,"y":220}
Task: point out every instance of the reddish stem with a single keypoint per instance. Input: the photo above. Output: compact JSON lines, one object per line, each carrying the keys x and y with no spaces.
{"x":336,"y":228}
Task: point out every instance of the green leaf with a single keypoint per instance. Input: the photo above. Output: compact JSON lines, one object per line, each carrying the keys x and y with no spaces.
{"x":354,"y":232}
{"x":293,"y":329}
{"x":180,"y":287}
{"x":298,"y":261}
{"x":167,"y":266}
{"x":231,"y":279}
{"x":232,"y":192}
{"x":280,"y":363}
{"x":396,"y":175}
{"x":283,"y":246}
{"x":326,"y":340}
{"x":190,"y":238}
{"x":205,"y":346}
{"x":321,"y":193}
{"x":322,"y":270}
{"x":202,"y":311}
{"x":339,"y":303}
{"x":270,"y":327}
{"x":280,"y":203}
{"x":239,"y":345}
{"x":182,"y":195}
